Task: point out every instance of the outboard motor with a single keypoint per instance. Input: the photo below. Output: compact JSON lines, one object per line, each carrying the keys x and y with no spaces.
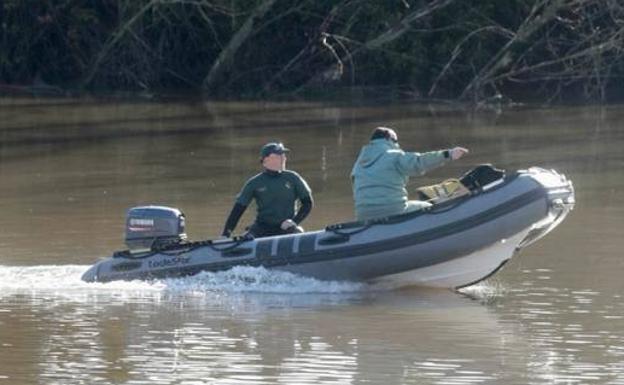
{"x":153,"y":227}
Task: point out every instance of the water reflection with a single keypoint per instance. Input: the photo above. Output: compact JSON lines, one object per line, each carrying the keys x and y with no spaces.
{"x":164,"y":332}
{"x":247,"y":327}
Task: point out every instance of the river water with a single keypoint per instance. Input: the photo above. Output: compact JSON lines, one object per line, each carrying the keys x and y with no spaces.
{"x":69,"y":169}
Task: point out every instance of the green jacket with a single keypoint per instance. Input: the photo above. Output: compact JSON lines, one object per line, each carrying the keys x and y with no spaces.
{"x":380,"y":175}
{"x":276,"y":194}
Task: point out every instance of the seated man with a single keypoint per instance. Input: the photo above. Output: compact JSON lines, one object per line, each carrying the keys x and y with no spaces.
{"x":275,"y":191}
{"x":381,"y":173}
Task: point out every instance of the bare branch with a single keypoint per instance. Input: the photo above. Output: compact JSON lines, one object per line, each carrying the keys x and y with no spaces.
{"x":115,"y":38}
{"x":227,"y":54}
{"x":405,"y":24}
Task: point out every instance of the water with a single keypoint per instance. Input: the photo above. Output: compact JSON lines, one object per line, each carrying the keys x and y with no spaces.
{"x":69,"y":170}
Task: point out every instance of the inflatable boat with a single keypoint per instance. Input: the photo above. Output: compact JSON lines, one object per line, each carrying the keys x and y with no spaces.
{"x":457,"y":242}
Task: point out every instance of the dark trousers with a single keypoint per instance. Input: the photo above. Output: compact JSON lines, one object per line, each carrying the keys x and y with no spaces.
{"x":259,"y":230}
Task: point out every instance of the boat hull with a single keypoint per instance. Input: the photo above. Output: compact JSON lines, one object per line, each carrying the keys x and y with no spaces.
{"x":452,"y":245}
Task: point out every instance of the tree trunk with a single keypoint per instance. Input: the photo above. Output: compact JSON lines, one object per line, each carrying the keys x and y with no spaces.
{"x":229,"y":52}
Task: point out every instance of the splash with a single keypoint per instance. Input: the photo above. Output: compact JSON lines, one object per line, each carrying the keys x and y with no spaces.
{"x":489,"y":291}
{"x":30,"y":277}
{"x":66,"y":278}
{"x":258,"y":279}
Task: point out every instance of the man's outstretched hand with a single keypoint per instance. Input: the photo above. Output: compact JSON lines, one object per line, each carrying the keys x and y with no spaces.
{"x":458,"y":152}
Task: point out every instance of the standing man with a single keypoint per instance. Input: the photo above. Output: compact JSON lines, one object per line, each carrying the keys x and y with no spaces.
{"x":276,"y":192}
{"x":382,"y":170}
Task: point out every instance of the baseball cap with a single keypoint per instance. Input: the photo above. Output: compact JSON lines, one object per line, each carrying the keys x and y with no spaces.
{"x":273,"y":148}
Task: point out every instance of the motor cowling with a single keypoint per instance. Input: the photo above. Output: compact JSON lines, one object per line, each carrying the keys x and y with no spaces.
{"x":152,"y":227}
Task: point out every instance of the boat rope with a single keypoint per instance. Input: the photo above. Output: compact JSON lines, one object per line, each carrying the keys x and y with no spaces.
{"x":183,"y":248}
{"x":336,"y":229}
